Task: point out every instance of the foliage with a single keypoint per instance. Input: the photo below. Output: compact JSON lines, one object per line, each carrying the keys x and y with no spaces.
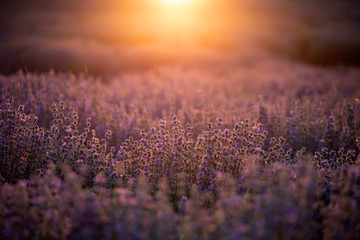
{"x":180,"y":156}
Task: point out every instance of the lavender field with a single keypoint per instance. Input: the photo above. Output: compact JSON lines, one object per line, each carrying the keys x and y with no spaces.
{"x":182,"y":154}
{"x":179,"y":120}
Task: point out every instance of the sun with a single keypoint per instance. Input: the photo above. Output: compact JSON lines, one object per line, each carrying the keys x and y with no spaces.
{"x":175,"y":3}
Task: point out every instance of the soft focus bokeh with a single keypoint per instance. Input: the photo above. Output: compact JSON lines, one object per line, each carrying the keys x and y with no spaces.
{"x":267,"y":152}
{"x":111,"y":36}
{"x":179,"y":119}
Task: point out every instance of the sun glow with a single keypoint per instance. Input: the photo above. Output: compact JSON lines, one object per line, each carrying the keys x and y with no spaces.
{"x":175,"y":3}
{"x":172,"y":28}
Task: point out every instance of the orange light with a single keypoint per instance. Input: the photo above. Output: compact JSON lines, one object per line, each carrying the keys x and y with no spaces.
{"x":175,"y":3}
{"x":172,"y":28}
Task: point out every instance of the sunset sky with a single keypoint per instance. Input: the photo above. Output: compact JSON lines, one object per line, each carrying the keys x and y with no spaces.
{"x":120,"y":34}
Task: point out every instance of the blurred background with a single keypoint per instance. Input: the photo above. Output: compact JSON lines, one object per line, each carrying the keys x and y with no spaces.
{"x":111,"y":36}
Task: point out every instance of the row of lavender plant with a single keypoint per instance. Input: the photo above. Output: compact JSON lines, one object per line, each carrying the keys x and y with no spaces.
{"x":84,"y":158}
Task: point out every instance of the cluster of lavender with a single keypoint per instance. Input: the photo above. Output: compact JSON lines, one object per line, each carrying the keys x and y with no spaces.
{"x":24,"y":145}
{"x":89,"y":158}
{"x":281,"y":202}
